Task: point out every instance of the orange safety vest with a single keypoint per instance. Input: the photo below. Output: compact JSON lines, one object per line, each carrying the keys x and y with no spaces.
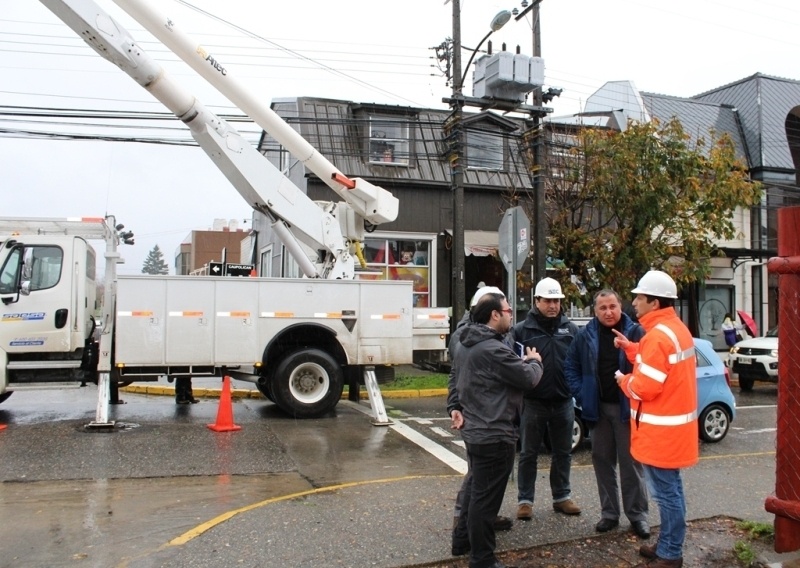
{"x":663,"y":393}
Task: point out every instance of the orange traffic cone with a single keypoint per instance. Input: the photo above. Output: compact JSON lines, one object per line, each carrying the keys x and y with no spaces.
{"x":224,"y":421}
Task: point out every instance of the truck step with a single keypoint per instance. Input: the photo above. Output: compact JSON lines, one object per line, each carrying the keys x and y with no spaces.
{"x":43,"y":386}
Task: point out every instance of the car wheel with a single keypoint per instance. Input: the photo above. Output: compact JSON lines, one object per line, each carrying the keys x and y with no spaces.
{"x":714,"y":423}
{"x":745,"y":384}
{"x":307,"y":383}
{"x":577,"y":434}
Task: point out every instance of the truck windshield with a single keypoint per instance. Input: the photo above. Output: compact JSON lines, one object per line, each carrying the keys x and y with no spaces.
{"x":8,"y":277}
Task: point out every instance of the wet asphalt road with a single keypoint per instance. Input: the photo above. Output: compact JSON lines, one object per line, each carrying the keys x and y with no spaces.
{"x":162,"y":489}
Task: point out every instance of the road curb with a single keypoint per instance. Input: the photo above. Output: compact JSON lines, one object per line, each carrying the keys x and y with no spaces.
{"x":160,"y":390}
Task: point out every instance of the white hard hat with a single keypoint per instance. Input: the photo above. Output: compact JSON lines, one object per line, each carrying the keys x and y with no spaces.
{"x":657,"y":283}
{"x":548,"y":288}
{"x":482,"y":292}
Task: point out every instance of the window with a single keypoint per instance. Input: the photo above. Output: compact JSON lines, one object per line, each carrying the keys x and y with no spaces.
{"x":485,"y":150}
{"x":41,"y":266}
{"x":388,"y":141}
{"x":8,"y":277}
{"x":398,"y":259}
{"x":265,"y":266}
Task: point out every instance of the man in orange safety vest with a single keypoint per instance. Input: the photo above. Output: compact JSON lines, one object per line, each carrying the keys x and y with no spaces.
{"x":663,"y":392}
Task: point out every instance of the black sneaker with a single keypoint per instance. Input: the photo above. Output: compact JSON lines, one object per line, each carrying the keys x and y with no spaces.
{"x":503,"y":523}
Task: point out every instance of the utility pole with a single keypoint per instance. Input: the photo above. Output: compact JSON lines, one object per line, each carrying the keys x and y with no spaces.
{"x":457,"y":170}
{"x":539,"y":260}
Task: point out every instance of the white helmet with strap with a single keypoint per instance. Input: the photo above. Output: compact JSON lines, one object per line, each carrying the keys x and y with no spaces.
{"x":657,"y":283}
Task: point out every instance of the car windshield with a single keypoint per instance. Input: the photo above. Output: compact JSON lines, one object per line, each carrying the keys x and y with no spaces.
{"x":772,"y":332}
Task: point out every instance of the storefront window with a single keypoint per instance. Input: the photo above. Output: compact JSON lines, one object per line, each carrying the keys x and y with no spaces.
{"x":390,"y":259}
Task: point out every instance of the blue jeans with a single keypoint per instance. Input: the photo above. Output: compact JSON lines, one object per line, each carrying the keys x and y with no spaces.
{"x":666,"y":487}
{"x":556,"y":418}
{"x":490,"y":465}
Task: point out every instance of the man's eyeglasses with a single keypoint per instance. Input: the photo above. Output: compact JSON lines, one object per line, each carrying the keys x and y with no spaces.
{"x":507,"y":311}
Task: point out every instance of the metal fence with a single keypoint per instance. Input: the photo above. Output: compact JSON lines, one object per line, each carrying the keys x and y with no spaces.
{"x":785,"y":502}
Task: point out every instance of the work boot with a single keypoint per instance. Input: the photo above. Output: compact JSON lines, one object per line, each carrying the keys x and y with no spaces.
{"x":648,"y":550}
{"x":190,"y":395}
{"x":567,"y":507}
{"x":525,"y":511}
{"x":661,"y":563}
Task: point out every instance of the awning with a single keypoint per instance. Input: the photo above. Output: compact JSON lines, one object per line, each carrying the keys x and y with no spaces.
{"x":479,"y":243}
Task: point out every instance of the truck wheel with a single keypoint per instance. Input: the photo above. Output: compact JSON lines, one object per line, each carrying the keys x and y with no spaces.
{"x":745,"y":384}
{"x":307,"y":383}
{"x":264,"y":385}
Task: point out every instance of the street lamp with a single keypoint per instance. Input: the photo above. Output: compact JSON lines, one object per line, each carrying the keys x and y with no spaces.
{"x":457,"y":139}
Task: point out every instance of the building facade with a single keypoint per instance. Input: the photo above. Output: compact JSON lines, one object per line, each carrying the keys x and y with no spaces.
{"x":200,"y":248}
{"x":405,"y":151}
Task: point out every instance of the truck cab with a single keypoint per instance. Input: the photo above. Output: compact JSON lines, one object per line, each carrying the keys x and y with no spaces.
{"x":48,"y":295}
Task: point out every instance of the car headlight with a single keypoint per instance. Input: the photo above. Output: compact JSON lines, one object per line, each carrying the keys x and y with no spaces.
{"x":774,"y":353}
{"x":734,"y":350}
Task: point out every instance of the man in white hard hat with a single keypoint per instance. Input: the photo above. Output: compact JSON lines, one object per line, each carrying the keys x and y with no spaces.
{"x":454,"y":412}
{"x":662,"y":389}
{"x":549,"y":408}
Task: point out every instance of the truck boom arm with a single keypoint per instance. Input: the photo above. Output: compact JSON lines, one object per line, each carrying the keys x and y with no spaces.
{"x":332,"y":227}
{"x":373,"y":203}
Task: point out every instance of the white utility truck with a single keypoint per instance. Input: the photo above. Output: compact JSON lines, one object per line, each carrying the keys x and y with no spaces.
{"x":299,"y":339}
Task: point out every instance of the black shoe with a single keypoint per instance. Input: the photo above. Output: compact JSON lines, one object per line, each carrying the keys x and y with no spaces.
{"x":606,"y":525}
{"x":641,"y":528}
{"x":503,"y":523}
{"x":460,"y":548}
{"x":193,"y":400}
{"x":183,"y":401}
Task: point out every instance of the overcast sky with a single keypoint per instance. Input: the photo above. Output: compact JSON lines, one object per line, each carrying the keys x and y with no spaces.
{"x":359,"y":50}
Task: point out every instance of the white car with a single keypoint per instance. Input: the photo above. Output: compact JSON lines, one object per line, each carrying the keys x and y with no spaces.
{"x":755,"y":359}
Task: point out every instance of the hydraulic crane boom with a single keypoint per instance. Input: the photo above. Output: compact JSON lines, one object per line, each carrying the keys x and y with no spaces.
{"x":332,"y":228}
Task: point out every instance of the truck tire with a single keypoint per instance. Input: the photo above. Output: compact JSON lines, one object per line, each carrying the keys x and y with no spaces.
{"x":307,"y":383}
{"x":264,"y":385}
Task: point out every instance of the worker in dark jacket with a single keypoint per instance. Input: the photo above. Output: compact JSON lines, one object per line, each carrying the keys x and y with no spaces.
{"x":591,"y":364}
{"x":490,"y":384}
{"x":501,"y":523}
{"x":550,"y":408}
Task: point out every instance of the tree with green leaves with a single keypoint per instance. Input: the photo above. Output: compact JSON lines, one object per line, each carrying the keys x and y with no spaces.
{"x":154,"y":263}
{"x":622,"y":202}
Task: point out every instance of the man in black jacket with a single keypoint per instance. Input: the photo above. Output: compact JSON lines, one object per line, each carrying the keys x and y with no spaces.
{"x":454,"y":412}
{"x":550,"y":409}
{"x":490,"y":385}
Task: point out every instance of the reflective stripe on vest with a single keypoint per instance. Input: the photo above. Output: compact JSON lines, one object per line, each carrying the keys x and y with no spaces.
{"x":650,"y":371}
{"x":679,"y":355}
{"x":656,"y":420}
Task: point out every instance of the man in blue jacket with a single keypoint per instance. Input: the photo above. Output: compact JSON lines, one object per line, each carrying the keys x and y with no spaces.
{"x":590,"y":366}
